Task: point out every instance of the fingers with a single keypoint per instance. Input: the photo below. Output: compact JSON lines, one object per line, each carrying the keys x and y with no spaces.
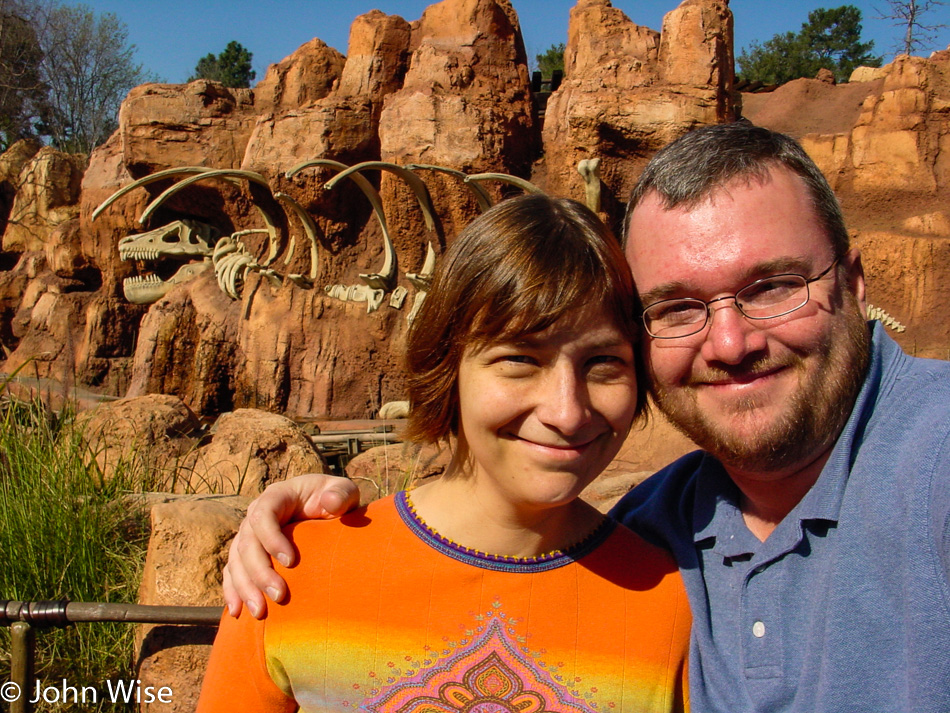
{"x":249,"y":572}
{"x":336,"y":497}
{"x":274,"y":508}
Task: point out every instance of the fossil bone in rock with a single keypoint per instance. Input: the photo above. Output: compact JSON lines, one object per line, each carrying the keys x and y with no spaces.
{"x":589,"y":168}
{"x":384,"y":278}
{"x":181,"y":240}
{"x":421,"y":281}
{"x":398,"y":296}
{"x":393,"y":409}
{"x":357,"y":293}
{"x":143,"y":290}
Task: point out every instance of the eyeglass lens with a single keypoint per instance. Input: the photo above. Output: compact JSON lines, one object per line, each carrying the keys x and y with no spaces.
{"x":763,"y":299}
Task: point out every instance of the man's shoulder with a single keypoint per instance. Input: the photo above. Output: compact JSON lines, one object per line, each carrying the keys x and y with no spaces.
{"x":913,"y":400}
{"x":909,"y":381}
{"x":660,"y":509}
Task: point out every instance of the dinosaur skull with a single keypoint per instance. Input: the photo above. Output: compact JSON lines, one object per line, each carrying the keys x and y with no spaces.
{"x":185,"y":241}
{"x":181,"y":239}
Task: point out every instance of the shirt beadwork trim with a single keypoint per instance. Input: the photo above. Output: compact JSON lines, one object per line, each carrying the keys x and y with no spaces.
{"x":500,"y":563}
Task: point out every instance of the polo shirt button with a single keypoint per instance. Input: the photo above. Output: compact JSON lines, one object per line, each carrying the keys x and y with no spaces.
{"x":758,"y":629}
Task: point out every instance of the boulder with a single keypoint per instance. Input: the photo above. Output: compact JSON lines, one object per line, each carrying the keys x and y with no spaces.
{"x":377,"y":57}
{"x":305,"y":76}
{"x":48,"y":324}
{"x":465,"y":101}
{"x":202,"y":123}
{"x":384,"y":470}
{"x":250,"y":449}
{"x":186,"y":346}
{"x":12,"y":162}
{"x":334,"y":116}
{"x":186,"y":551}
{"x":143,"y":436}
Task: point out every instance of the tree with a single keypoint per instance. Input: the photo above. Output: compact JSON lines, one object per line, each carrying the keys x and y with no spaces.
{"x":88,"y":67}
{"x":831,"y":39}
{"x":551,"y":59}
{"x":232,"y":67}
{"x":907,"y":14}
{"x":21,"y":88}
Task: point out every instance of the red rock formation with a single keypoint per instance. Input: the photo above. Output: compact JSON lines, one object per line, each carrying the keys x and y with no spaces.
{"x":881,"y":140}
{"x":12,"y":162}
{"x":249,"y":449}
{"x":449,"y":89}
{"x":148,"y":435}
{"x":307,"y":75}
{"x":629,"y":90}
{"x":199,"y":124}
{"x":47,"y":195}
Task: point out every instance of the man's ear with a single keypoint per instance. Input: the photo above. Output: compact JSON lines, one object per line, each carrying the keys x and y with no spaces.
{"x":855,"y":276}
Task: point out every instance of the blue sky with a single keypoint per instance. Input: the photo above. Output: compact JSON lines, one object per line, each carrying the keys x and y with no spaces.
{"x":172,"y":35}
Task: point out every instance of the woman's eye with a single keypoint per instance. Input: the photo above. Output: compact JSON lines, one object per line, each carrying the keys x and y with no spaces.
{"x":517,"y":360}
{"x":608,"y":366}
{"x":605,"y":361}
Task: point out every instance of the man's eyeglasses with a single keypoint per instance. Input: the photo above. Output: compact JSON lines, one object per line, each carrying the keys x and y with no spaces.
{"x":770,"y":297}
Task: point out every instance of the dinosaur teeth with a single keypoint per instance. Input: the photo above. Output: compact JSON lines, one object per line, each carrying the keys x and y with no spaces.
{"x":142,"y":280}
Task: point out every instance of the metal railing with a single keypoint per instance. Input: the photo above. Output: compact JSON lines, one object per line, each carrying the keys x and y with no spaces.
{"x":24,"y":618}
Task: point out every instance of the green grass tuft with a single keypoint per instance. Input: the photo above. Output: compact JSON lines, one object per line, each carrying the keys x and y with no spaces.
{"x":65,"y":533}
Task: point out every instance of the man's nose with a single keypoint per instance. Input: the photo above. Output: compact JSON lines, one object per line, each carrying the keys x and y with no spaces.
{"x":730,"y":335}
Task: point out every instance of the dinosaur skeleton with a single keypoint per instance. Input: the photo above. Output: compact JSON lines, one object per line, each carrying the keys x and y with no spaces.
{"x":196,"y":247}
{"x":184,"y":239}
{"x":377,"y":283}
{"x":422,"y":279}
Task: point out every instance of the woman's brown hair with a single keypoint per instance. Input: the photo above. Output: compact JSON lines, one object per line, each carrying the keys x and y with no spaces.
{"x":515,"y":270}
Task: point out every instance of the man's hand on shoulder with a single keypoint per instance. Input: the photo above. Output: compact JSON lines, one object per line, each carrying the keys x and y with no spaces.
{"x":249,"y":572}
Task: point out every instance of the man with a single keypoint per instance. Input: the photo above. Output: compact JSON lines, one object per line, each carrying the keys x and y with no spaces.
{"x":813,"y":532}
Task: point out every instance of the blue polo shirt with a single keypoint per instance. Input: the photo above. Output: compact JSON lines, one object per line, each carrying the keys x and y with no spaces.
{"x":846,"y":605}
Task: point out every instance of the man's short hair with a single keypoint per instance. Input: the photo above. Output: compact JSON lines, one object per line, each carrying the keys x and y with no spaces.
{"x":515,"y":270}
{"x":686,"y":171}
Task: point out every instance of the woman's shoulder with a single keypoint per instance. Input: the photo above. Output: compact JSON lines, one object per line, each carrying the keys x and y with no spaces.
{"x":362,"y":527}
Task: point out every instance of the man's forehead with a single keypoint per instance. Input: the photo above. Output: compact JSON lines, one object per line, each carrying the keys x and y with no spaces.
{"x":744,"y":229}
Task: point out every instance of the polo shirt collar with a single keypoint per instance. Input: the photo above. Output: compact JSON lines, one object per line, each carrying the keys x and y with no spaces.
{"x":717,"y":516}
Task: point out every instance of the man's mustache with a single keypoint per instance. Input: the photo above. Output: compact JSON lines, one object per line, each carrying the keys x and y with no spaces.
{"x":745,"y":371}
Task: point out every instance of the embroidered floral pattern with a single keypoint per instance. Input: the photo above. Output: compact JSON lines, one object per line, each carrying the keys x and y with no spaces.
{"x":487,"y":674}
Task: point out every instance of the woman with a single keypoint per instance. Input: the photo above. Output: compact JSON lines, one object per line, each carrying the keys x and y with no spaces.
{"x":493,"y":588}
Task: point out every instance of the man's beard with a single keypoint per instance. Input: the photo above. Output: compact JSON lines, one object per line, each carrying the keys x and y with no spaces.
{"x":812,"y":419}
